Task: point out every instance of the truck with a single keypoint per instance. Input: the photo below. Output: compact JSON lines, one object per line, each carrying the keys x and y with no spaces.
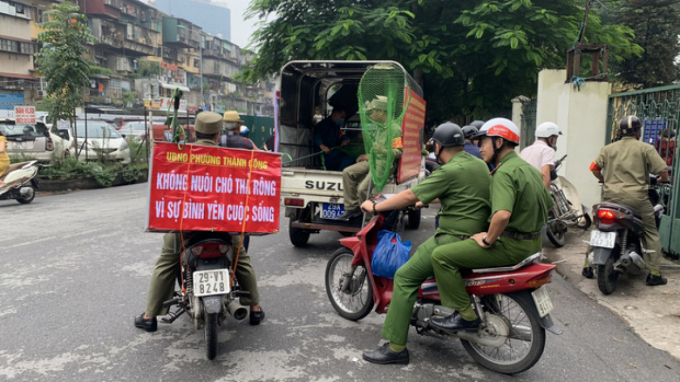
{"x":311,"y":195}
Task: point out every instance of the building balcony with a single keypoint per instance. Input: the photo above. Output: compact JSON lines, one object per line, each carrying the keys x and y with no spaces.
{"x":180,"y":33}
{"x":106,"y":8}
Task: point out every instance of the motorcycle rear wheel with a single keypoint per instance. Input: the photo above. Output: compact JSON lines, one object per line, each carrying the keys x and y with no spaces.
{"x":607,"y":276}
{"x":28,"y":197}
{"x":525,"y":343}
{"x":210,"y":334}
{"x":357,"y":302}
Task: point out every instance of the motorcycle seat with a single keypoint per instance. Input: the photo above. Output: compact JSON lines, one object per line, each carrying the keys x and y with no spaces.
{"x":13,"y":167}
{"x":536,"y":257}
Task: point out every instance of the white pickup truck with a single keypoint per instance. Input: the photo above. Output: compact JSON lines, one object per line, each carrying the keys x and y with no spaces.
{"x":311,"y":195}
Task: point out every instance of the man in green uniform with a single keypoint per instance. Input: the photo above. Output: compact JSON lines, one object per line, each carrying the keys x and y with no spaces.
{"x":462,"y":186}
{"x":207,"y":127}
{"x":355,"y":178}
{"x":627,"y":165}
{"x":519,"y":209}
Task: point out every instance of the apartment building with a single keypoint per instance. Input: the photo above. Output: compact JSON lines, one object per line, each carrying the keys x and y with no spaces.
{"x":16,"y":51}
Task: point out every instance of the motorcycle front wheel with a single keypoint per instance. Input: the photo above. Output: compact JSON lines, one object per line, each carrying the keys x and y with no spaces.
{"x":352,"y":302}
{"x":210,"y":334}
{"x":556,"y":235}
{"x":525,"y":340}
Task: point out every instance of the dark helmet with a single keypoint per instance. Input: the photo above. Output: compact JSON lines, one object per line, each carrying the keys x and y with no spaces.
{"x":469,"y":131}
{"x":449,"y":134}
{"x":630,"y":125}
{"x":478,"y":124}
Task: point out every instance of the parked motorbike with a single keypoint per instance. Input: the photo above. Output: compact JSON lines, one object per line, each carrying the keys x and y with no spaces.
{"x":511,"y":302}
{"x":20,"y":183}
{"x":206,"y":293}
{"x":616,"y":244}
{"x":566,"y":211}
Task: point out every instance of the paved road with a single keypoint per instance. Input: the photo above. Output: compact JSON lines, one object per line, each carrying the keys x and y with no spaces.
{"x":74,"y":270}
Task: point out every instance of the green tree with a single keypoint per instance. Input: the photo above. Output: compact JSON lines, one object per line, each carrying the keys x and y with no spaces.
{"x":62,"y":59}
{"x":470,"y":56}
{"x":656,"y":24}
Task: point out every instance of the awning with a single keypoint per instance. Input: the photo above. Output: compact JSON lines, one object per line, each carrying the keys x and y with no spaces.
{"x":166,"y":85}
{"x":22,"y":76}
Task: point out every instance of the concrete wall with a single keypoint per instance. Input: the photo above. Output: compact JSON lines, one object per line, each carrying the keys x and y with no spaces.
{"x":582,"y":116}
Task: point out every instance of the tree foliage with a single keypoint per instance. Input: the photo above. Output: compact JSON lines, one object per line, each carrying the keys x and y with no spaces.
{"x":656,"y":24}
{"x":471,"y":56}
{"x":62,"y":58}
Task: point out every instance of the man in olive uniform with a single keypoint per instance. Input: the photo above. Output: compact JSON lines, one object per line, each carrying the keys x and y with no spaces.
{"x":355,"y":178}
{"x":627,"y":165}
{"x":207,"y":127}
{"x":519,"y":209}
{"x":462,"y":186}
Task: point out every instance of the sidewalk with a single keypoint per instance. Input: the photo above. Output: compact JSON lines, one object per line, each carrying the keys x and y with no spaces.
{"x":653,"y":313}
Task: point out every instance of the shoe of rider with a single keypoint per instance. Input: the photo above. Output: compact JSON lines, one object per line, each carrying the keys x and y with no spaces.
{"x":624,"y":167}
{"x":462,"y":186}
{"x":517,"y":216}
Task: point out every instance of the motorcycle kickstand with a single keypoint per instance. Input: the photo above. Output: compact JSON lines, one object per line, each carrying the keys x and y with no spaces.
{"x":173,"y":316}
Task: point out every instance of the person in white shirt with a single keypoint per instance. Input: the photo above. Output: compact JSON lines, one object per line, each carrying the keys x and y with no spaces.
{"x":541,"y":154}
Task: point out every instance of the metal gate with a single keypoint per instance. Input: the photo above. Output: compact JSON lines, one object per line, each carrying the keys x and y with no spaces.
{"x":659,"y":109}
{"x":526,"y":136}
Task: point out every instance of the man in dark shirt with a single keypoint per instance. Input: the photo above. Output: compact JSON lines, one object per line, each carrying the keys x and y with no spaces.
{"x":327,"y":137}
{"x":231,"y":137}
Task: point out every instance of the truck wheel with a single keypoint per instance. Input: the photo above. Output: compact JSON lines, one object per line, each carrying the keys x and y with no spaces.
{"x":298,"y":236}
{"x":413,"y":219}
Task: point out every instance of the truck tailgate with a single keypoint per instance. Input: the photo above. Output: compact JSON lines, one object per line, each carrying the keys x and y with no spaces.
{"x":301,"y":181}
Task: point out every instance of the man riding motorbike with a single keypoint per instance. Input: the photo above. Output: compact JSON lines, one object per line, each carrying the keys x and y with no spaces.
{"x":519,"y":209}
{"x":541,"y":154}
{"x":462,"y":186}
{"x":161,"y":289}
{"x":627,"y":164}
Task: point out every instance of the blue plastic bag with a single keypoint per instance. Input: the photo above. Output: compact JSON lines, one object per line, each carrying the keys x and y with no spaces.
{"x":389,"y":254}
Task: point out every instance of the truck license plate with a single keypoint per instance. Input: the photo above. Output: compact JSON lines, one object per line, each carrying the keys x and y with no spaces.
{"x":542,"y":301}
{"x":602,"y":239}
{"x":214,"y":281}
{"x":331,"y":210}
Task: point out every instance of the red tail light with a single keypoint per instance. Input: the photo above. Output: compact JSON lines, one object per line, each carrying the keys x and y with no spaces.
{"x":540,"y":281}
{"x":606,"y":216}
{"x":49,"y":145}
{"x":209,"y":249}
{"x":294,"y":202}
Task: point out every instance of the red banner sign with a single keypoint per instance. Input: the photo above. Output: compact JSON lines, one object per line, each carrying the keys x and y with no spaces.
{"x":414,"y":121}
{"x":24,"y":115}
{"x":203,"y":188}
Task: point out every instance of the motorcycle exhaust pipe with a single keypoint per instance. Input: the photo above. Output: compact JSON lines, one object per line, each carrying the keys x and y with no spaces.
{"x":637,"y":260}
{"x":238,"y":311}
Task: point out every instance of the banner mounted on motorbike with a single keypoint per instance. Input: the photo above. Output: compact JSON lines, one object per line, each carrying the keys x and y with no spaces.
{"x":202,"y":188}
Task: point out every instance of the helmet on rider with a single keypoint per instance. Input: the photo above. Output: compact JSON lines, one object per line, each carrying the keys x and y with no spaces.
{"x":244,"y":130}
{"x":470,"y":131}
{"x":478,"y":124}
{"x":630,"y":125}
{"x":447,"y":135}
{"x":500,"y":128}
{"x":547,"y":130}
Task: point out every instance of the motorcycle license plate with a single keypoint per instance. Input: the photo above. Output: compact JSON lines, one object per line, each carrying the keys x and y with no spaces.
{"x":542,"y":301}
{"x":331,"y":210}
{"x":214,"y":281}
{"x":602,"y":239}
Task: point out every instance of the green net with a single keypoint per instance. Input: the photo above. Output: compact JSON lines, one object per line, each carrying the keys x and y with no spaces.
{"x":381,"y":108}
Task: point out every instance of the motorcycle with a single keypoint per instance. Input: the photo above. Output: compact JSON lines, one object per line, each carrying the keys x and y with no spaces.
{"x":616,"y":244}
{"x":206,"y":292}
{"x":20,"y":183}
{"x":511,"y":302}
{"x":566,"y":211}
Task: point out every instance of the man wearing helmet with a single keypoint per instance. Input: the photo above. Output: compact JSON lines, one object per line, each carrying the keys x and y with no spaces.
{"x":541,"y":154}
{"x":624,"y":167}
{"x":462,"y":186}
{"x":519,"y":209}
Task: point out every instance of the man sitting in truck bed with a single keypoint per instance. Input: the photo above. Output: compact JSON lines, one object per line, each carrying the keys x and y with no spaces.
{"x":355,"y":178}
{"x":327,"y":138}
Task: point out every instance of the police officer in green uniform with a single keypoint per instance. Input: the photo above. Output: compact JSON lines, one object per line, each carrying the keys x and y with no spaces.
{"x":207,"y":127}
{"x":462,"y":186}
{"x":627,"y":164}
{"x":355,"y":178}
{"x":519,"y":209}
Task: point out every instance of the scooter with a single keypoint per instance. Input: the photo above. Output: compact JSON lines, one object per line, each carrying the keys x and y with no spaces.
{"x":511,"y":302}
{"x":616,"y":244}
{"x":20,"y":183}
{"x":566,"y":211}
{"x":206,"y":292}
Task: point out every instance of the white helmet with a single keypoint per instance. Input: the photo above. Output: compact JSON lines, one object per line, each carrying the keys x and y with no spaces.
{"x":244,"y":129}
{"x":547,"y":130}
{"x":500,"y":127}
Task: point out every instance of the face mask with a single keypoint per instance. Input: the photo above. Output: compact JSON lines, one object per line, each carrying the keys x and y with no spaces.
{"x":340,"y":122}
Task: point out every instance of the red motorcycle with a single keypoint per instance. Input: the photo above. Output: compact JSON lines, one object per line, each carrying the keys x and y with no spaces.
{"x":511,"y":302}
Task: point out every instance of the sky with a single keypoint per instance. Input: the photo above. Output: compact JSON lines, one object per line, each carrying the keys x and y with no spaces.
{"x":240,"y":29}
